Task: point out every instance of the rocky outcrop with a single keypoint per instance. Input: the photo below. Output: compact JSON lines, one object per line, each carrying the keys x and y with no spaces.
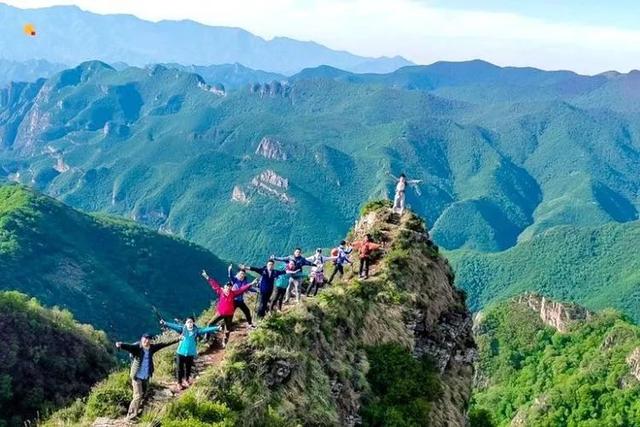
{"x":633,"y":360}
{"x":237,"y":195}
{"x":555,"y":314}
{"x":437,"y":319}
{"x":271,"y":184}
{"x":271,"y":148}
{"x":273,"y":89}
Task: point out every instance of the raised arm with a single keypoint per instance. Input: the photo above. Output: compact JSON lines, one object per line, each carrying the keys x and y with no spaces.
{"x":241,"y":290}
{"x":230,"y":272}
{"x":208,"y":330}
{"x":173,"y":326}
{"x":159,"y":346}
{"x":281,"y":258}
{"x":255,"y":269}
{"x":127,"y":347}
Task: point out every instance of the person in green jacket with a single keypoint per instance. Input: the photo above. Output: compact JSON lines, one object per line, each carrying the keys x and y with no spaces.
{"x":187,"y":349}
{"x":141,"y":368}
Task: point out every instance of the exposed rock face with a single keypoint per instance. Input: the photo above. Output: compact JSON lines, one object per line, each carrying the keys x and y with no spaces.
{"x":273,"y":89}
{"x":438,"y":322}
{"x":237,"y":195}
{"x":271,"y":184}
{"x":633,"y":360}
{"x":271,"y":149}
{"x":555,"y":314}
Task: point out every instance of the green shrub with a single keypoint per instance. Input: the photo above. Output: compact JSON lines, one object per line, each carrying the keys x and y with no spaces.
{"x":111,"y":397}
{"x":375,"y":205}
{"x":402,"y":387}
{"x":189,"y":408}
{"x":480,"y":417}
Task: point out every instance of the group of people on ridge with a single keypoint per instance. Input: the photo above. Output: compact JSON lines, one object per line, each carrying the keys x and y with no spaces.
{"x":275,"y":286}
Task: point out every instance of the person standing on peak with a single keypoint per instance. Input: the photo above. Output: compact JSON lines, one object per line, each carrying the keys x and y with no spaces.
{"x":342,"y":258}
{"x":187,"y":349}
{"x":365,"y":248}
{"x":401,"y":186}
{"x":268,"y":276}
{"x":226,"y":304}
{"x":141,"y":368}
{"x":238,"y":281}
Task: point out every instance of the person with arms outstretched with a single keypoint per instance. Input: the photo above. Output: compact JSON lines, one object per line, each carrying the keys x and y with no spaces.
{"x":188,"y":348}
{"x":141,"y":368}
{"x":365,"y":248}
{"x":317,"y":271}
{"x":342,"y":258}
{"x":268,"y":276}
{"x":401,"y":186}
{"x":239,"y":280}
{"x":294,"y":279}
{"x":226,"y":304}
{"x":282,"y":285}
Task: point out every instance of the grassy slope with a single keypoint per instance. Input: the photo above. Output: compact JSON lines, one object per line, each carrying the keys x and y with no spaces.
{"x":594,"y":266}
{"x":549,"y":378}
{"x":107,"y":272}
{"x":318,"y":362}
{"x":46,"y":360}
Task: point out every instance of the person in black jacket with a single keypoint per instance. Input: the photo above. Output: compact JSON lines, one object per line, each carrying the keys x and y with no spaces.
{"x":268,"y":276}
{"x":141,"y":368}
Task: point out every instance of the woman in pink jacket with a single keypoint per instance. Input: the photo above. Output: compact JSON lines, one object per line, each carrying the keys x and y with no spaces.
{"x":226,"y":305}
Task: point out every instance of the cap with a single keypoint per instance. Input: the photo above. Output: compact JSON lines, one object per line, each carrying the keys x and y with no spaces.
{"x":146,"y":335}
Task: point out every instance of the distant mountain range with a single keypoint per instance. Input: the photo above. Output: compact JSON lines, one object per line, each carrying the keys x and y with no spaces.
{"x":69,"y":35}
{"x":504,"y":153}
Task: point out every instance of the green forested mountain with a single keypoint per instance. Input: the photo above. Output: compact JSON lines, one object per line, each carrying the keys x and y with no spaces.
{"x":108,"y":272}
{"x":531,"y":374}
{"x":504,"y":153}
{"x":598,"y":267}
{"x":47,"y":359}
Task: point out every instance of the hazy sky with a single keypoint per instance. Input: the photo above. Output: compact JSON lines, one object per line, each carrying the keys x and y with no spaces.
{"x":586,"y":36}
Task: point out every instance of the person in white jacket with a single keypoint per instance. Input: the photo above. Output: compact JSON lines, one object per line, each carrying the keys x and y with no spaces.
{"x":401,"y":186}
{"x":317,"y":271}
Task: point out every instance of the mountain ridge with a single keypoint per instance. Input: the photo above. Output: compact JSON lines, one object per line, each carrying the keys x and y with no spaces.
{"x":182,"y":41}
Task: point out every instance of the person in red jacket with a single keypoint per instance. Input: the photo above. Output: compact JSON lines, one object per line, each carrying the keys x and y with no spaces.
{"x":365,"y":248}
{"x":226,"y":304}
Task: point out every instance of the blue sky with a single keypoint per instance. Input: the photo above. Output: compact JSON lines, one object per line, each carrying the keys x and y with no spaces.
{"x":585,"y":36}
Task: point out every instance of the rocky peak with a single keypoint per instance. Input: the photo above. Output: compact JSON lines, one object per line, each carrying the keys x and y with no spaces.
{"x":555,"y":314}
{"x":271,"y":148}
{"x":271,"y":178}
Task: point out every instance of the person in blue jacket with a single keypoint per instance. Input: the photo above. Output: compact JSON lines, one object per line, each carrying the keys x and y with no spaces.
{"x":268,"y":276}
{"x":187,"y":348}
{"x":294,"y":279}
{"x":239,"y":280}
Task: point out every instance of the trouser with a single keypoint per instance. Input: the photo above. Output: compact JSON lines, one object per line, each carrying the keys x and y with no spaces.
{"x":265,"y":297}
{"x":364,"y":266}
{"x":228,"y":323}
{"x":184,"y":364}
{"x":317,"y":280}
{"x":245,"y":309}
{"x":280,"y":294}
{"x":398,"y":202}
{"x":140,"y":388}
{"x":295,"y":284}
{"x":338,"y":268}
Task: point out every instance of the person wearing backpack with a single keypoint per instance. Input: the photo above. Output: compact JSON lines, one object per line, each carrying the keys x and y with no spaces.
{"x":141,"y":368}
{"x":188,"y":348}
{"x":365,"y":248}
{"x":226,"y":303}
{"x":268,"y":276}
{"x":342,"y":258}
{"x":294,"y":279}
